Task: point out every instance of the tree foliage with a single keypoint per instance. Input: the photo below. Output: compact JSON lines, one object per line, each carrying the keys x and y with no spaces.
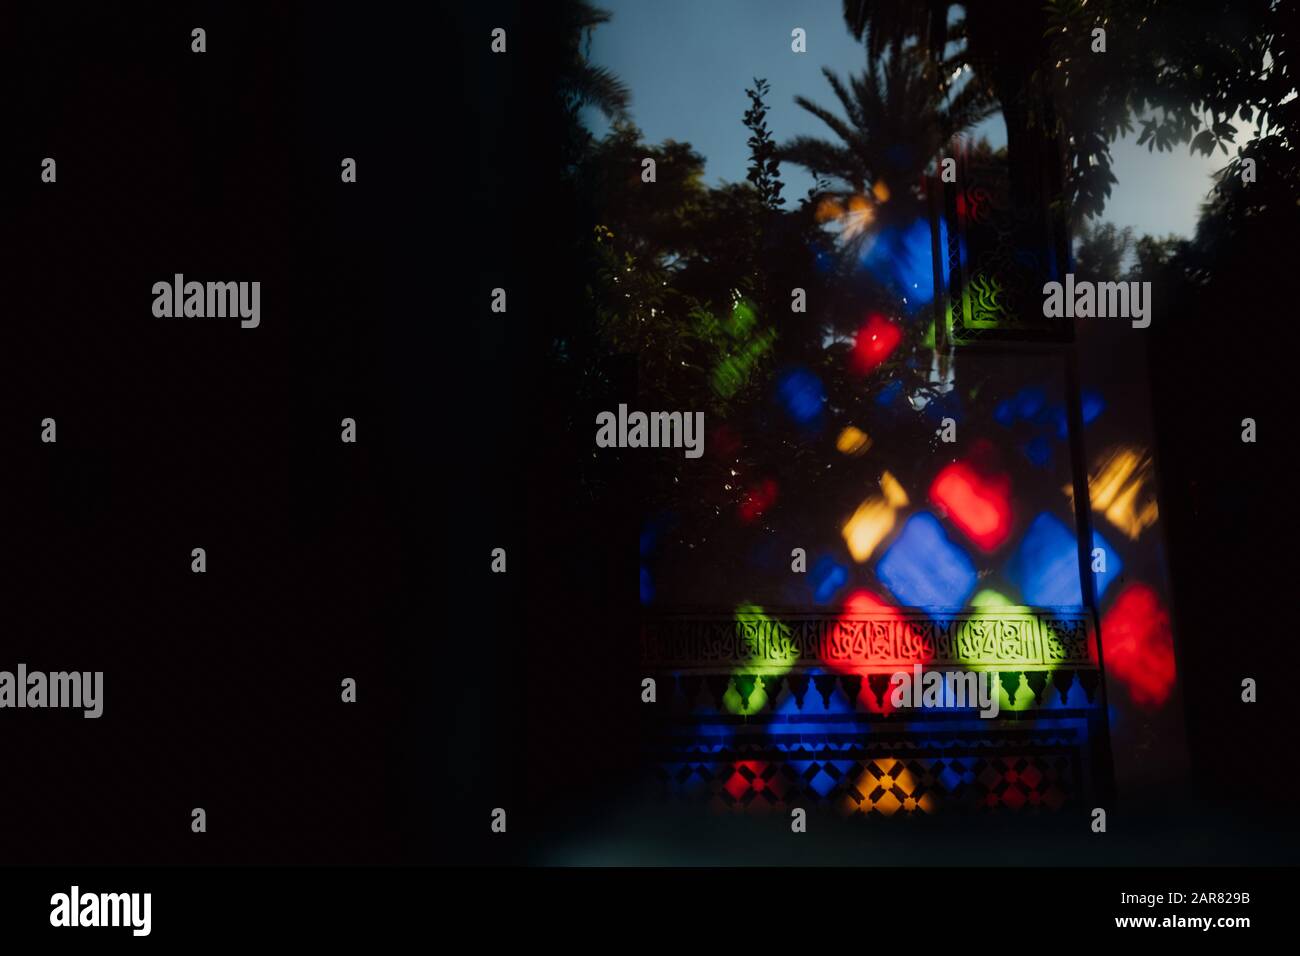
{"x":897,"y":116}
{"x":1180,"y":72}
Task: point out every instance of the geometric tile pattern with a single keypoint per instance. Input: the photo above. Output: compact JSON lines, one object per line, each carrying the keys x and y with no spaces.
{"x":1033,"y":690}
{"x":879,"y":785}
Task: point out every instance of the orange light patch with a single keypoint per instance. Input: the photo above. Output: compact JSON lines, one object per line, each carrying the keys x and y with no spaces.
{"x":853,"y":441}
{"x":874,"y":519}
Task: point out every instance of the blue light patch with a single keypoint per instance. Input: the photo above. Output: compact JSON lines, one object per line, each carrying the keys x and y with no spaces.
{"x":827,"y":577}
{"x":1005,"y":413}
{"x":1039,"y":451}
{"x":924,"y":568}
{"x":889,"y":394}
{"x":1029,"y":402}
{"x":1045,"y":568}
{"x":900,"y":257}
{"x":802,"y":395}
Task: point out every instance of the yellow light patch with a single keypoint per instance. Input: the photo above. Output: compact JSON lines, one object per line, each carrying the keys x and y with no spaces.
{"x":1123,"y":489}
{"x":894,"y":492}
{"x":880,"y":790}
{"x":853,"y":441}
{"x":874,"y":519}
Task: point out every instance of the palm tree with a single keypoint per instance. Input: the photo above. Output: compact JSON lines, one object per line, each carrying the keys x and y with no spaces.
{"x":898,"y":118}
{"x":582,"y":84}
{"x":893,"y":19}
{"x":1007,"y":55}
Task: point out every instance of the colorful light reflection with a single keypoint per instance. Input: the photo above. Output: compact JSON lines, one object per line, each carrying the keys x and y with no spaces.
{"x":747,"y":693}
{"x":853,"y":441}
{"x":854,"y":218}
{"x":1139,"y":645}
{"x":828,"y":576}
{"x":900,"y":258}
{"x":1123,"y":489}
{"x":802,"y":395}
{"x":980,"y":505}
{"x":925,"y":568}
{"x":862,"y":604}
{"x":875,"y":342}
{"x":874,"y":519}
{"x":758,"y":500}
{"x":1046,"y":565}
